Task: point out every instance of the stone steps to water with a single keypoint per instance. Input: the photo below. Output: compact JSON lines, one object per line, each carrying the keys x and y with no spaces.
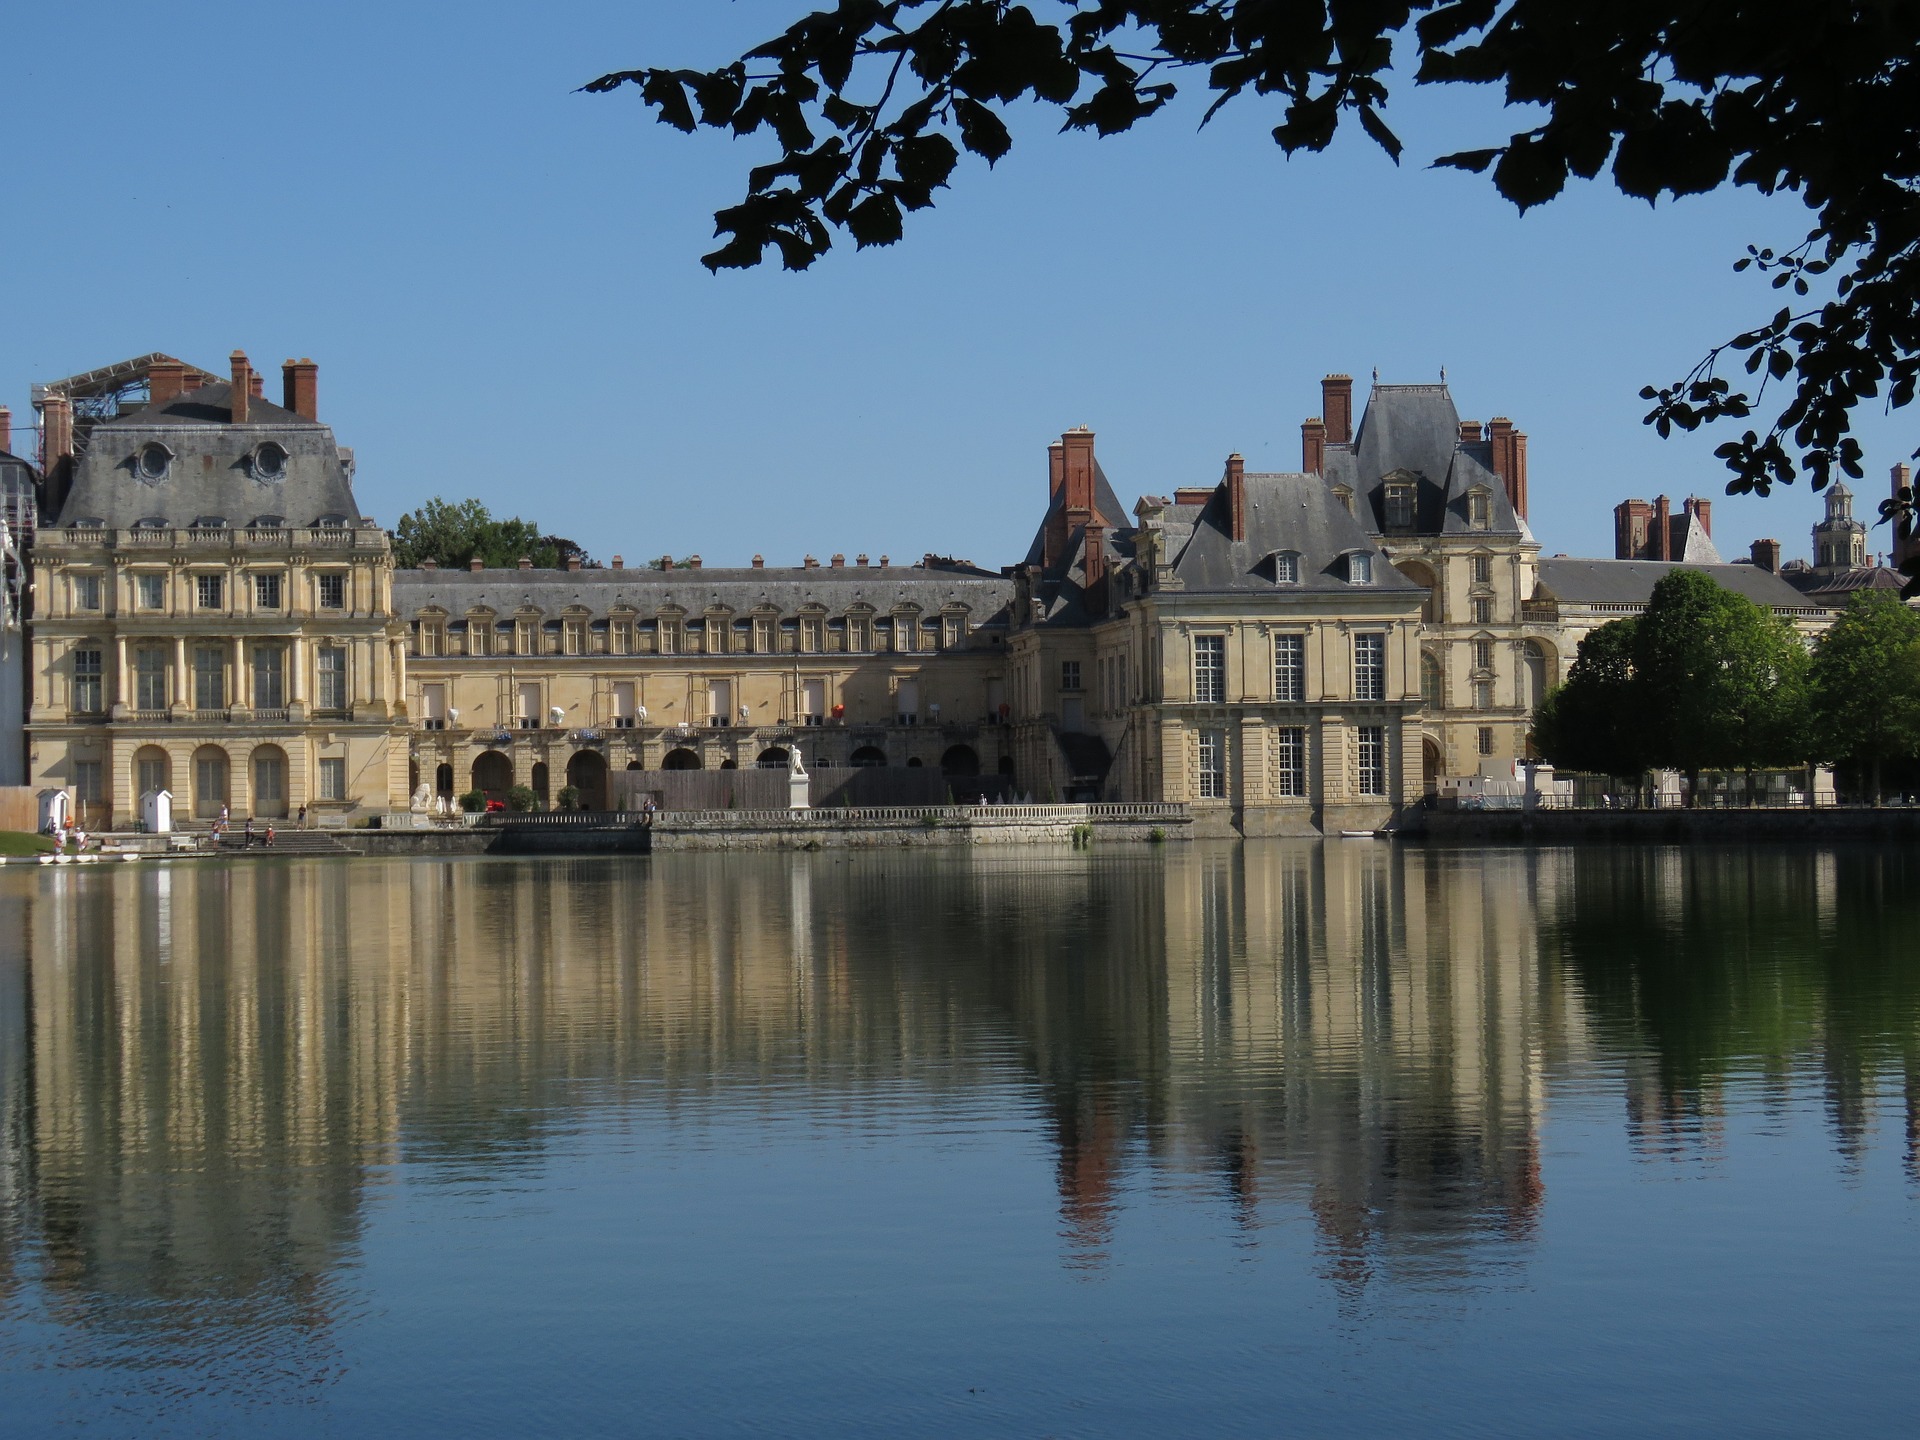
{"x":285,"y":842}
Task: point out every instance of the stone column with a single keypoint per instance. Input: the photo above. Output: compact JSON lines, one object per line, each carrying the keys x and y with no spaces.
{"x":1411,"y":758}
{"x":237,"y":694}
{"x":1335,"y":787}
{"x":182,"y":680}
{"x":122,"y":701}
{"x":297,"y":675}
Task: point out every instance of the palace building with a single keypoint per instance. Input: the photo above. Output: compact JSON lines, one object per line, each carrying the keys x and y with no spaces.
{"x":1297,"y":652}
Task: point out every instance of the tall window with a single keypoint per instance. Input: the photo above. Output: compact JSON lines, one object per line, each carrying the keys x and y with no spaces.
{"x":810,"y":635}
{"x":620,"y":637}
{"x":1359,"y":569}
{"x":1479,"y":510}
{"x":950,"y":632}
{"x":1373,"y":760}
{"x":1293,"y":761}
{"x":1483,"y":569}
{"x":1400,"y":507}
{"x":89,"y":784}
{"x":1370,"y":667}
{"x":574,"y":637}
{"x":1482,"y":610}
{"x":86,"y":592}
{"x":269,"y":677}
{"x":1213,"y":765}
{"x":333,"y":778}
{"x":1482,"y":695}
{"x":1210,"y":669}
{"x":1483,"y":654}
{"x":1431,"y":688}
{"x":1486,"y":739}
{"x":149,"y":681}
{"x":1286,"y":569}
{"x":1069,"y":674}
{"x":87,"y":690}
{"x":150,"y":774}
{"x":208,"y":591}
{"x":331,"y":668}
{"x":266,"y":592}
{"x":209,"y":678}
{"x":1289,"y":667}
{"x":150,"y":591}
{"x":859,"y":633}
{"x":333,"y":591}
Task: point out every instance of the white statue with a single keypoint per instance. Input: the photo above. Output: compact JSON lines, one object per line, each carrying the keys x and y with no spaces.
{"x":795,"y":764}
{"x":556,"y":716}
{"x":422,"y":797}
{"x":453,"y":718}
{"x":640,"y":714}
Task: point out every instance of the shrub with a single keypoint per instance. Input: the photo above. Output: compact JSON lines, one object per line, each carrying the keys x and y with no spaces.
{"x":474,"y":801}
{"x":568,"y":798}
{"x":521,"y":799}
{"x":1156,"y":835}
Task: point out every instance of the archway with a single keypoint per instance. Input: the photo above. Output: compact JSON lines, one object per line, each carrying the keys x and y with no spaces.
{"x":209,"y":782}
{"x":1430,"y":766}
{"x":492,"y":774}
{"x":1006,"y":766}
{"x":443,"y":780}
{"x":868,"y":755}
{"x":1535,"y":674}
{"x":774,"y":757}
{"x":269,"y":782}
{"x":542,"y":787}
{"x":152,"y":770}
{"x":587,"y":773}
{"x":1422,"y":576}
{"x":635,"y":765}
{"x":960,"y":760}
{"x":681,"y":759}
{"x":729,"y":764}
{"x":1432,"y":687}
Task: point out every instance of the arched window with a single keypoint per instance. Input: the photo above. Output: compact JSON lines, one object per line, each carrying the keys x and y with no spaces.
{"x":1432,"y":686}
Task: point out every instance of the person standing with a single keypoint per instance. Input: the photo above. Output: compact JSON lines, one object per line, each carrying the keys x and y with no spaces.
{"x":269,"y":835}
{"x":247,"y":835}
{"x":303,"y":817}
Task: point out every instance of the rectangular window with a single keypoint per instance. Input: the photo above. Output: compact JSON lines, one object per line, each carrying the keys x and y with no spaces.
{"x":87,"y":689}
{"x":623,"y":704}
{"x":1482,"y":695}
{"x":1289,"y":667}
{"x":669,"y":634}
{"x":1210,"y":669}
{"x":333,"y":778}
{"x":1213,"y":765}
{"x":1483,"y":569}
{"x":950,"y":632}
{"x":1293,"y":761}
{"x":1399,"y":507}
{"x":716,"y":637}
{"x":208,"y":592}
{"x":813,"y":700}
{"x":1286,"y":568}
{"x":1360,"y":569}
{"x":433,"y":706}
{"x":333,"y":591}
{"x":810,"y":637}
{"x":763,"y":635}
{"x":574,"y":637}
{"x":1069,"y":674}
{"x":266,"y":592}
{"x":620,"y":637}
{"x":150,"y":591}
{"x":86,"y":592}
{"x":331,"y":668}
{"x":149,"y":775}
{"x":1483,"y":654}
{"x":269,"y":677}
{"x":209,"y":678}
{"x":89,"y":783}
{"x":1373,"y":760}
{"x":527,"y":706}
{"x":525,"y":638}
{"x":1478,"y":510}
{"x":1486,"y":739}
{"x":1370,"y":667}
{"x":1482,"y":610}
{"x":858,"y":635}
{"x":149,"y":680}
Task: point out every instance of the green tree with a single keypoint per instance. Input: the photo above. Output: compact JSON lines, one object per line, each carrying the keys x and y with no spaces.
{"x":1866,"y":685}
{"x":452,"y":533}
{"x":1591,"y":723}
{"x":871,"y":102}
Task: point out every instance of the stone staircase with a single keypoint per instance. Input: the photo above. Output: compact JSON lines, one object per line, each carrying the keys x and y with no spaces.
{"x":285,"y":842}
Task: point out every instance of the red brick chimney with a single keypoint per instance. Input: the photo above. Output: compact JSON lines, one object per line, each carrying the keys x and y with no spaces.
{"x":1662,"y":534}
{"x":6,"y":429}
{"x":1336,"y":406}
{"x":1518,"y":492}
{"x":1470,"y":432}
{"x":242,"y":386}
{"x":56,"y":435}
{"x":1313,"y":445}
{"x":165,"y":381}
{"x":573,"y":562}
{"x":619,"y":563}
{"x":1236,"y":483}
{"x":1766,"y":556}
{"x":693,"y":562}
{"x":300,"y":388}
{"x":526,"y":563}
{"x":1077,"y":477}
{"x":256,"y":385}
{"x":1701,"y":510}
{"x":759,"y":562}
{"x":1510,"y":461}
{"x":191,"y":382}
{"x":1056,"y":469}
{"x":1096,"y":555}
{"x":839,"y":561}
{"x":476,"y":563}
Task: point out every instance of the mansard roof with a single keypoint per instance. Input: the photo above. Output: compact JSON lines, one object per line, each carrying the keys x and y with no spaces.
{"x":210,"y":471}
{"x":834,"y":589}
{"x":1285,"y":512}
{"x":1416,"y":429}
{"x":1631,"y":582}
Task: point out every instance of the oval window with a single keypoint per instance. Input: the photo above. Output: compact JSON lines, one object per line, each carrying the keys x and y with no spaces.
{"x":269,"y":462}
{"x":154,"y":461}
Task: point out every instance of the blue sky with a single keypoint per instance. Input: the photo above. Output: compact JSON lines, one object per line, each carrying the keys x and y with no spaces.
{"x":499,"y":279}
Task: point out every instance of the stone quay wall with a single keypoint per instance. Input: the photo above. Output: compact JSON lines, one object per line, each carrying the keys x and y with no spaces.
{"x":934,"y":825}
{"x":1670,"y":827}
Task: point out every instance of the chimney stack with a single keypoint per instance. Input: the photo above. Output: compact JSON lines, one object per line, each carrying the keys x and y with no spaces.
{"x":1313,"y":445}
{"x":839,"y":562}
{"x":256,"y":385}
{"x":191,"y":381}
{"x":1766,"y":556}
{"x":1470,"y":432}
{"x":1056,"y":468}
{"x":759,"y":562}
{"x":1702,"y":510}
{"x":476,"y":563}
{"x":1662,"y":528}
{"x":1510,"y":461}
{"x":1336,"y":405}
{"x":1236,"y":483}
{"x":1096,"y":567}
{"x":56,"y":419}
{"x":242,"y":387}
{"x":526,"y":563}
{"x":810,"y":563}
{"x":165,"y":381}
{"x":300,"y":388}
{"x":6,"y":429}
{"x":861,"y":561}
{"x":619,"y":563}
{"x":883,"y":562}
{"x":1077,"y":479}
{"x":429,"y":564}
{"x":693,"y":562}
{"x":573,"y":562}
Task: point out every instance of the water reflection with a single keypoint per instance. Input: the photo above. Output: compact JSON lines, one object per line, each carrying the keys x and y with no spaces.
{"x":207,"y":1069}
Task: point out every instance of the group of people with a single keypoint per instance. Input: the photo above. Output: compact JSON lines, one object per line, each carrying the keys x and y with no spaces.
{"x":222,"y":824}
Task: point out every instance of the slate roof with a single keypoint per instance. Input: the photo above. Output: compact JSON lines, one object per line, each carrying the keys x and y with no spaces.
{"x":1416,"y":428}
{"x":1284,"y":512}
{"x":210,"y":474}
{"x":1631,"y":582}
{"x":695,"y":591}
{"x":1820,"y":589}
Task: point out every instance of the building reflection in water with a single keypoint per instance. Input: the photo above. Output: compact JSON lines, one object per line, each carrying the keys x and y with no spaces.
{"x":206,"y":1068}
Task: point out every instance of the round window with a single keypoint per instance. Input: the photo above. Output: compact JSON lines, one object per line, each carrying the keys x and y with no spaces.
{"x":269,"y":462}
{"x":154,"y":461}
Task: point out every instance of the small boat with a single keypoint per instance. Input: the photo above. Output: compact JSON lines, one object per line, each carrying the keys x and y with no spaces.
{"x":1358,"y":834}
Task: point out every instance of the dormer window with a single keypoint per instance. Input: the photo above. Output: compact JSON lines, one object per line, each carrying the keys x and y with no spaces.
{"x":268,"y":462}
{"x":1359,"y":568}
{"x":1286,"y":567}
{"x":1479,"y":509}
{"x":268,"y":522}
{"x":332,"y":522}
{"x":1400,"y":506}
{"x":1344,"y":496}
{"x":153,"y":462}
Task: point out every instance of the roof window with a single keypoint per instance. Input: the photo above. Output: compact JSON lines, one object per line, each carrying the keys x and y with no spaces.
{"x":1286,"y":567}
{"x":153,"y":462}
{"x":1359,"y":568}
{"x":268,"y":462}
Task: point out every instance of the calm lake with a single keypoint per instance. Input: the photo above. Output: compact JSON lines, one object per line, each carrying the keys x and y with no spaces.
{"x":1273,"y":1139}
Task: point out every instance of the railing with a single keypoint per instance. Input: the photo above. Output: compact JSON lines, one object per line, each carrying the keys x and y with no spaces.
{"x":341,"y":537}
{"x":880,"y":814}
{"x":270,"y":712}
{"x":147,"y":717}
